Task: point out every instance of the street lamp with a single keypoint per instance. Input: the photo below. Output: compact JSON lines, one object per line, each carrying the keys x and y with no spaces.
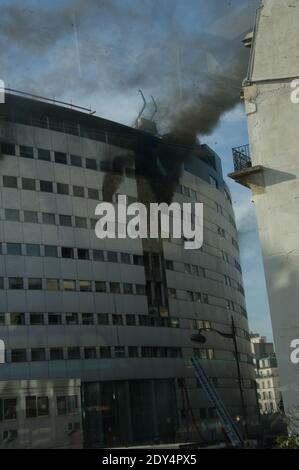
{"x":200,"y":338}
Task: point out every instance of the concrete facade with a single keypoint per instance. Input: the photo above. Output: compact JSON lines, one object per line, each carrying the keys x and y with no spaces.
{"x":267,"y":379}
{"x":273,"y":118}
{"x":116,"y":315}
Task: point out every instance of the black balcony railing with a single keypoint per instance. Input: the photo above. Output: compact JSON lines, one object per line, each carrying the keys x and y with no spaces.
{"x":241,"y":156}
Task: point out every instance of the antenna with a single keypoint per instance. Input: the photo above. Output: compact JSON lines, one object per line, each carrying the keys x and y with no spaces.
{"x":155,"y":108}
{"x":143,"y":106}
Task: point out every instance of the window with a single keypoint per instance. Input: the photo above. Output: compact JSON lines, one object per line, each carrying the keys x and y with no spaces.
{"x":190,"y":295}
{"x":90,"y":353}
{"x":1,"y":283}
{"x":125,"y":258}
{"x":138,"y":260}
{"x":67,"y":404}
{"x":42,"y":406}
{"x":48,"y":218}
{"x":34,"y":283}
{"x":30,"y":216}
{"x":15,"y":283}
{"x":81,"y":222}
{"x":133,"y":351}
{"x":32,"y":250}
{"x":43,"y":154}
{"x":128,"y":288}
{"x":18,"y":355}
{"x":26,"y":151}
{"x":51,"y":251}
{"x":46,"y":186}
{"x":105,"y":352}
{"x":213,"y":181}
{"x":100,"y":286}
{"x":62,"y":188}
{"x":112,"y":256}
{"x":78,"y":191}
{"x":103,"y":319}
{"x":71,"y":318}
{"x":29,"y":184}
{"x":87,"y":319}
{"x":76,"y":160}
{"x":93,"y":223}
{"x":10,"y":181}
{"x":67,"y":252}
{"x":2,"y":319}
{"x":92,"y":193}
{"x":172,"y":293}
{"x":169,"y":264}
{"x":8,"y":149}
{"x":69,"y":285}
{"x":119,"y":351}
{"x":14,"y":248}
{"x":130,"y":319}
{"x":8,"y":408}
{"x":187,"y":268}
{"x":60,"y":157}
{"x":74,"y":353}
{"x":52,"y":284}
{"x":115,"y":287}
{"x":36,"y":318}
{"x":17,"y":318}
{"x":12,"y":214}
{"x":38,"y":354}
{"x":91,"y":164}
{"x":85,"y":286}
{"x":56,"y":354}
{"x":83,"y":253}
{"x":140,"y":289}
{"x":117,"y":319}
{"x":98,"y":255}
{"x":65,"y":220}
{"x":54,"y":319}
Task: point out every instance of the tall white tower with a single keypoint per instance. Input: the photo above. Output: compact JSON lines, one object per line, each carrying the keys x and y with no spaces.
{"x":272,"y":171}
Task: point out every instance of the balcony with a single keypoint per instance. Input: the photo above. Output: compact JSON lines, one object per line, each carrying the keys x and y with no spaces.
{"x":241,"y":156}
{"x":244,"y":173}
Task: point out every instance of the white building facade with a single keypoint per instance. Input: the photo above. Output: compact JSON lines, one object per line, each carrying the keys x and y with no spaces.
{"x":97,"y":332}
{"x":271,"y":172}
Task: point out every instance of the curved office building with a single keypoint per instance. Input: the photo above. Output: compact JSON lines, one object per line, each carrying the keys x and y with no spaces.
{"x":97,"y":332}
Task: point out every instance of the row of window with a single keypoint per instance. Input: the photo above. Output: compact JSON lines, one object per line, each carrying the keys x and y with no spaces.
{"x":203,"y":298}
{"x":93,"y":164}
{"x":54,"y":251}
{"x":74,"y":318}
{"x":196,"y":270}
{"x":34,"y":283}
{"x":49,"y":218}
{"x":49,"y":187}
{"x":38,"y":406}
{"x":63,"y":158}
{"x":31,"y":249}
{"x":91,"y":352}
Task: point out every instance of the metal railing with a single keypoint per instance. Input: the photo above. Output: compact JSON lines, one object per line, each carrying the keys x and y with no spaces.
{"x":241,"y":156}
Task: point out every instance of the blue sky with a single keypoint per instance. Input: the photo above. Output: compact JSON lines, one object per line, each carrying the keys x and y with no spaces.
{"x":99,"y":52}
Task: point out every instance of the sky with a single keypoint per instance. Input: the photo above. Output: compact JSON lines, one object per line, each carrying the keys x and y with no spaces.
{"x":98,"y":53}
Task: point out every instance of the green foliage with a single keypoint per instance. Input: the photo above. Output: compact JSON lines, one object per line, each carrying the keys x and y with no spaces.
{"x":290,"y":442}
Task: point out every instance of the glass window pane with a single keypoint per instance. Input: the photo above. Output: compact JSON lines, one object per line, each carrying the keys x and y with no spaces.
{"x":10,"y":181}
{"x":43,"y":154}
{"x":14,"y":248}
{"x":29,"y":184}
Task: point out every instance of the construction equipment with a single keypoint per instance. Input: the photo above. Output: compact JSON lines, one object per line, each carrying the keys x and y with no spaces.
{"x":228,"y":423}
